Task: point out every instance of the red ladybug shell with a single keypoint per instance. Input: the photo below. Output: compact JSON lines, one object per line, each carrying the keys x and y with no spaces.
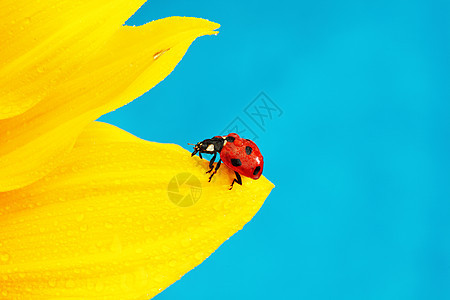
{"x":242,"y":156}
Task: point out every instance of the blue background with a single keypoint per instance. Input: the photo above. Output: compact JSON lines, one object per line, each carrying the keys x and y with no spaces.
{"x":360,"y":156}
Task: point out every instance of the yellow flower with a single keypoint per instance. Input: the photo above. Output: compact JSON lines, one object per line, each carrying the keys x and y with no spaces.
{"x":86,"y":209}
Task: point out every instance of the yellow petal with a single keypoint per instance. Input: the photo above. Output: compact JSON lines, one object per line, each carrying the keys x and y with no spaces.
{"x":108,"y":221}
{"x":44,"y":42}
{"x":129,"y":64}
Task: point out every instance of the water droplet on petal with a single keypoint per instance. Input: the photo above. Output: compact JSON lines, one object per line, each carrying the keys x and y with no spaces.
{"x":52,"y":283}
{"x":4,"y":257}
{"x":199,"y":256}
{"x":108,"y":225}
{"x":99,"y":286}
{"x":186,"y":242}
{"x":172,"y":263}
{"x":70,"y":284}
{"x":159,"y":278}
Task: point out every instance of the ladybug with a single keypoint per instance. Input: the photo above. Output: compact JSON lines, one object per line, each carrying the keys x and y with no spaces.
{"x":240,"y":155}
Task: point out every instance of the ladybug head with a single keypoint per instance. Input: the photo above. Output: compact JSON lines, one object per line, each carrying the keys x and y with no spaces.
{"x":209,"y":146}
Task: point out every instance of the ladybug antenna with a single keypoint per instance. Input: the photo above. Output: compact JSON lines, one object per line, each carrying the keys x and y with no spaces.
{"x":191,"y":144}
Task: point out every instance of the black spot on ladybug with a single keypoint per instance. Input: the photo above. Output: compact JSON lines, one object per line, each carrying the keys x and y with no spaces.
{"x":230,"y":139}
{"x":236,"y":162}
{"x":248,"y":150}
{"x":257,"y":169}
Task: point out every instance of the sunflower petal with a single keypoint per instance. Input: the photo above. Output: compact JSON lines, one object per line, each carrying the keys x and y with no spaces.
{"x":120,"y":218}
{"x":43,"y":42}
{"x":129,"y":64}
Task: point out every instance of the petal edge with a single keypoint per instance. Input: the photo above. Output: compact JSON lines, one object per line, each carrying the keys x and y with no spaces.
{"x":103,"y":225}
{"x":31,"y":144}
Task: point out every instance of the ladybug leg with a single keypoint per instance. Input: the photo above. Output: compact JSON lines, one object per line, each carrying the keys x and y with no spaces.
{"x":195,"y":152}
{"x":215,"y":170}
{"x":211,"y":163}
{"x":238,"y":181}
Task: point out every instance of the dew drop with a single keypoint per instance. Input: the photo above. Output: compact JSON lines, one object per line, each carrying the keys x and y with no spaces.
{"x":172,"y":263}
{"x":186,"y":242}
{"x":52,"y":283}
{"x":99,"y":286}
{"x":4,"y":257}
{"x":70,"y":284}
{"x":227,"y":205}
{"x":159,"y":278}
{"x":217,"y":207}
{"x":116,"y":246}
{"x":127,"y":282}
{"x":90,"y":285}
